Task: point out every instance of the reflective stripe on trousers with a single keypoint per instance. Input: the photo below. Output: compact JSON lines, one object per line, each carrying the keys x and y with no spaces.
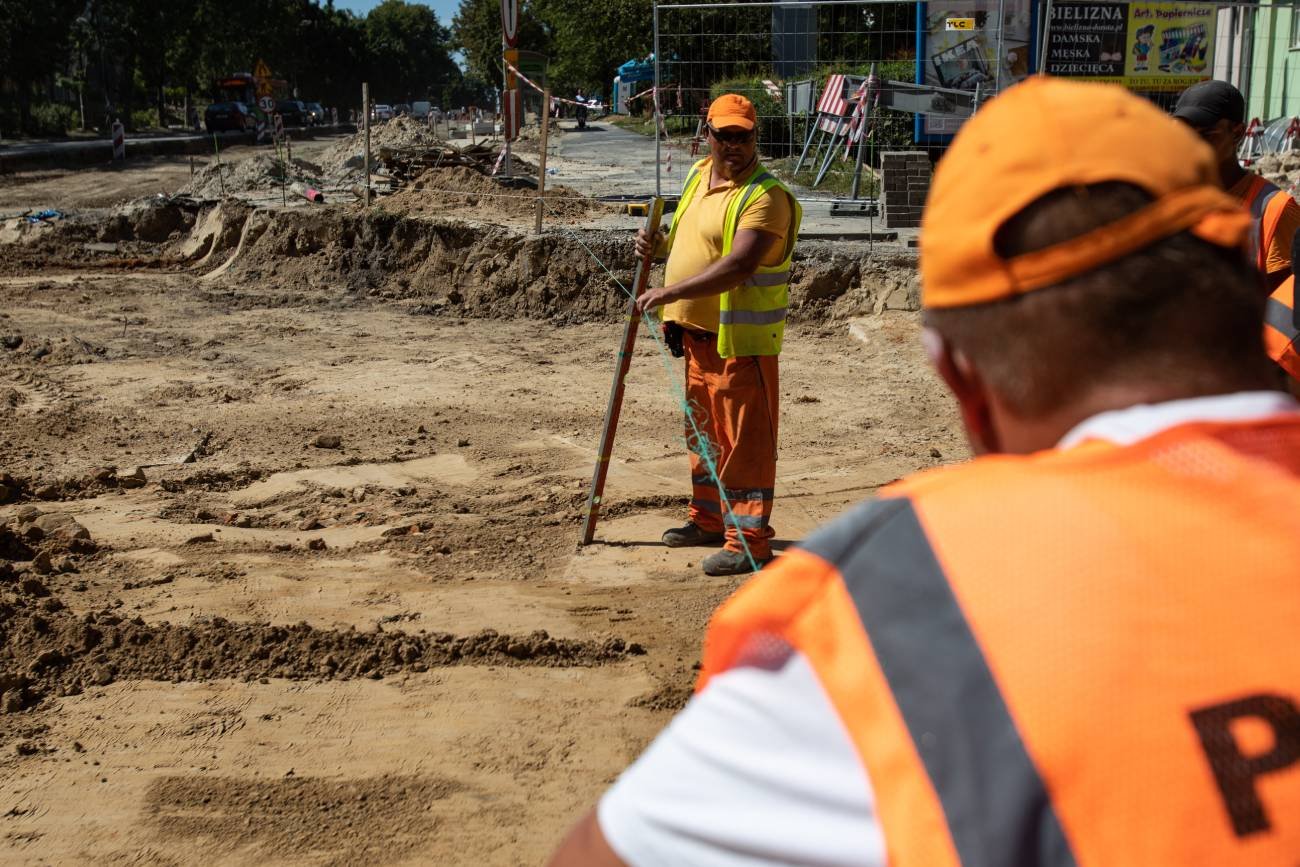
{"x":735,"y":401}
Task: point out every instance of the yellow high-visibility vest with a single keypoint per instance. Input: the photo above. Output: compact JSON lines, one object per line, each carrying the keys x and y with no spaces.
{"x":751,"y":317}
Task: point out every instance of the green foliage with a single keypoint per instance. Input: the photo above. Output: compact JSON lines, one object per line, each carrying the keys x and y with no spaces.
{"x":143,"y":119}
{"x":589,"y":41}
{"x":586,"y":42}
{"x":53,"y":119}
{"x":128,"y":56}
{"x":410,"y":51}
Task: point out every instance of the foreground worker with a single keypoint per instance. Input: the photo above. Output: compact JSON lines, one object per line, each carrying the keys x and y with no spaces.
{"x":729,"y":249}
{"x":1217,"y":111}
{"x":1076,"y":649}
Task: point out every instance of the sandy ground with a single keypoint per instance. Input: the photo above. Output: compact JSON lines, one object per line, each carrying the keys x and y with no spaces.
{"x":396,"y":481}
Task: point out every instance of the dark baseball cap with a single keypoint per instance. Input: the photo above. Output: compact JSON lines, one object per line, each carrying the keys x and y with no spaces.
{"x":1208,"y":102}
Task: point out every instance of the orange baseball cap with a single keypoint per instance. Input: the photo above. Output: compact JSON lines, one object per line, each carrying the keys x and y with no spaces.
{"x":731,"y":109}
{"x":1045,"y":134}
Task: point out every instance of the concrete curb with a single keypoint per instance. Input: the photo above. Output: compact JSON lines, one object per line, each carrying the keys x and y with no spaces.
{"x":99,"y":152}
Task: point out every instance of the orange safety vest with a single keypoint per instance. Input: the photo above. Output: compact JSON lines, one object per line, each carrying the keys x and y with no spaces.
{"x":1266,"y":202}
{"x":1080,"y":657}
{"x":1282,"y":327}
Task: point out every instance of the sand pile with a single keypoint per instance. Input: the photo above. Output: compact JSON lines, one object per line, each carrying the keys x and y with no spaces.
{"x":344,"y":158}
{"x":259,"y":173}
{"x":1281,"y":169}
{"x":458,"y":189}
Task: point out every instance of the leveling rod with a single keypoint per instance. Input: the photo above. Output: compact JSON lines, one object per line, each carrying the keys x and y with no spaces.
{"x":654,"y":213}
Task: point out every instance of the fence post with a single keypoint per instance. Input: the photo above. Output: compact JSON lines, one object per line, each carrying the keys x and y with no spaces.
{"x":1047,"y":30}
{"x":654,"y":95}
{"x":365,"y":119}
{"x":541,"y":162}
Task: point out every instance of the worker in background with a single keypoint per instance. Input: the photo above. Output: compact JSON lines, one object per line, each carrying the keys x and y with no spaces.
{"x":1217,"y":111}
{"x":729,"y":250}
{"x":1047,"y":655}
{"x":1282,"y":326}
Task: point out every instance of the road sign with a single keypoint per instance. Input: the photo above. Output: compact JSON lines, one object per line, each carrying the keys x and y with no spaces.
{"x":262,"y":73}
{"x":510,"y":21}
{"x":266,"y":103}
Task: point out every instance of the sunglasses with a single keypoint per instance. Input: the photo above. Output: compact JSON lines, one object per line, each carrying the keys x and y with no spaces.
{"x":735,"y":137}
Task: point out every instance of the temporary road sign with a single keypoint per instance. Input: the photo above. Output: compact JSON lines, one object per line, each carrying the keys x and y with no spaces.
{"x":266,"y":103}
{"x":510,"y":21}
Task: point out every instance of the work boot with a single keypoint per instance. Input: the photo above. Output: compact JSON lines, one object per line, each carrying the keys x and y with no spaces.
{"x":728,"y":562}
{"x":691,"y":534}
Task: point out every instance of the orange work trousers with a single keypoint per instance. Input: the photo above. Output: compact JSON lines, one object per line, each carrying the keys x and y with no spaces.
{"x":734,"y":405}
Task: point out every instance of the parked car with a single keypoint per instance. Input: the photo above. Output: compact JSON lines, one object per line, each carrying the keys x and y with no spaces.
{"x":401,"y":109}
{"x":224,"y":116}
{"x":420,"y":109}
{"x":379,"y":111}
{"x":318,"y":113}
{"x":294,"y":112}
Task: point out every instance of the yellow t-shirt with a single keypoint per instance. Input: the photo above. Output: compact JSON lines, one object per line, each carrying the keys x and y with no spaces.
{"x":698,"y":243}
{"x":1279,"y":251}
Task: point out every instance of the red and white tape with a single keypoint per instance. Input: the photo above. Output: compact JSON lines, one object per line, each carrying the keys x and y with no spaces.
{"x":528,"y":81}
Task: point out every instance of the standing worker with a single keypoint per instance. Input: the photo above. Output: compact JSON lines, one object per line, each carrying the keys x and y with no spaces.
{"x":1076,"y":649}
{"x":1217,"y":111}
{"x":729,"y":250}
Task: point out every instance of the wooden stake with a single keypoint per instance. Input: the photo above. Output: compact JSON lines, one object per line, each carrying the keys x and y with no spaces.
{"x":541,"y":166}
{"x":654,"y":213}
{"x":365,"y":118}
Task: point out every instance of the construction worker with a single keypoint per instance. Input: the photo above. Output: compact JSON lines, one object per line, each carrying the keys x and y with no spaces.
{"x":729,"y":250}
{"x":1076,"y":649}
{"x":1217,"y":111}
{"x":1282,"y":326}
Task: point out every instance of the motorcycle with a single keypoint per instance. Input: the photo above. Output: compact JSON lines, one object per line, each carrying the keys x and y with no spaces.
{"x":581,"y":113}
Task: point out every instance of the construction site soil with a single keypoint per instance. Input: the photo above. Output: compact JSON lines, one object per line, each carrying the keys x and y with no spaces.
{"x":289,"y":509}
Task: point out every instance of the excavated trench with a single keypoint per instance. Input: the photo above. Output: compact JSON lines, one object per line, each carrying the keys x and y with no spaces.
{"x":258,"y":257}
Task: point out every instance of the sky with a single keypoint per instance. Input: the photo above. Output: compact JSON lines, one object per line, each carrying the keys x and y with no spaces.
{"x":444,"y":9}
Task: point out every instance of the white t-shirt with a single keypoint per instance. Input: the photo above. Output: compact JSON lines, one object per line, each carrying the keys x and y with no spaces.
{"x":758,"y":769}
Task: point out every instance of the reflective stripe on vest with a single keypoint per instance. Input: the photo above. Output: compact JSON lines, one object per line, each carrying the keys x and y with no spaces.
{"x":1064,"y":685}
{"x":1266,"y":212}
{"x":751,"y":317}
{"x":1280,"y":331}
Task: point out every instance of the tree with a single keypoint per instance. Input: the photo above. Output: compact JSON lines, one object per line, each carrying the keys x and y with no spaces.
{"x":579,"y":58}
{"x":33,"y":43}
{"x":476,"y":32}
{"x":410,"y":51}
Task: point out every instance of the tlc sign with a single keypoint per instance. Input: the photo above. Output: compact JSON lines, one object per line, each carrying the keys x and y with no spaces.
{"x":510,"y":22}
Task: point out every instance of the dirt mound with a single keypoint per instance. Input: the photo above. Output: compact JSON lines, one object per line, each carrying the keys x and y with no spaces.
{"x":439,"y":267}
{"x":262,"y":172}
{"x":48,"y":650}
{"x":1281,"y":169}
{"x":401,"y":133}
{"x":461,"y":189}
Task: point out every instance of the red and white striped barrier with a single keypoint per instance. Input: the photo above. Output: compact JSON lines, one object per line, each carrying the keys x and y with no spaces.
{"x":119,"y":141}
{"x":1291,"y":136}
{"x":1249,"y":148}
{"x":832,"y":106}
